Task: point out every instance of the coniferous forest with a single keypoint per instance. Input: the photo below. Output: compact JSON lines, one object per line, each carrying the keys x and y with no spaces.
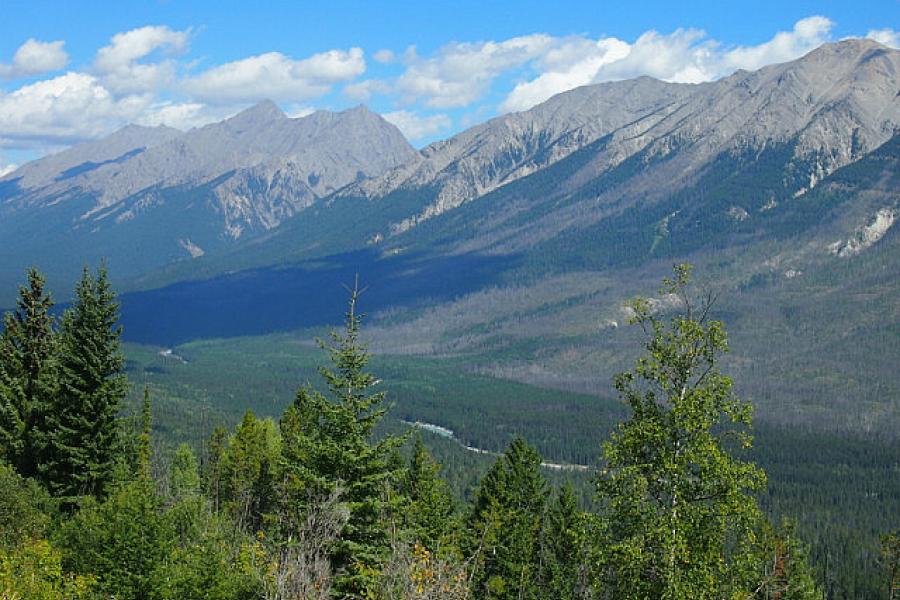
{"x":324,"y":502}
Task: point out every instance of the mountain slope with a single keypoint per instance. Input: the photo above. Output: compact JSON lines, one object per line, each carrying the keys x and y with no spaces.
{"x":145,"y":197}
{"x":643,"y":168}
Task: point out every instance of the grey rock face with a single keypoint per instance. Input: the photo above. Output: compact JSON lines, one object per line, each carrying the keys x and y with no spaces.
{"x":834,"y":104}
{"x":70,"y":163}
{"x":260,"y":165}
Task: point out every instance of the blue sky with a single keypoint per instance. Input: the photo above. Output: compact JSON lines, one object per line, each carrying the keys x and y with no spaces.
{"x":74,"y":71}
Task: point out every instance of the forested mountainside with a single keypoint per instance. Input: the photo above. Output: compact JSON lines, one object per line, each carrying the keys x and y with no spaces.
{"x":322,"y":504}
{"x":500,"y":267}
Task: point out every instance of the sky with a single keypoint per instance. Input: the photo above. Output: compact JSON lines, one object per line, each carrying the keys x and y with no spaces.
{"x":76,"y":71}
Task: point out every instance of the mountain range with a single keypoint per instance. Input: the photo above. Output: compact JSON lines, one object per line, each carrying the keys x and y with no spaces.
{"x":516,"y":242}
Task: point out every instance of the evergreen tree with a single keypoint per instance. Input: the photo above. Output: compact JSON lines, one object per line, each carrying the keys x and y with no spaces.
{"x":562,"y":558}
{"x":328,"y":446}
{"x":248,"y":471}
{"x":83,"y":430}
{"x":430,"y":510}
{"x":678,"y":516}
{"x":184,"y":478}
{"x":890,"y":558}
{"x":126,"y":538}
{"x":27,"y":347}
{"x":505,"y":526}
{"x":211,"y":474}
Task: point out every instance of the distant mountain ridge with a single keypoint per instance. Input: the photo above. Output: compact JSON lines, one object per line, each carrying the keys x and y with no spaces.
{"x":644,"y":167}
{"x":183,"y":194}
{"x":834,"y":105}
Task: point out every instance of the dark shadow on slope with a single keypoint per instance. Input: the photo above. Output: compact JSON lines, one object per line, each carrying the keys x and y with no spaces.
{"x":271,"y":300}
{"x":90,"y":166}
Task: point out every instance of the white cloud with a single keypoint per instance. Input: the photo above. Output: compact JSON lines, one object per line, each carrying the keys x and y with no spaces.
{"x":183,"y":115}
{"x":417,"y":127}
{"x":117,"y":64}
{"x":807,"y":34}
{"x":384,"y":56}
{"x":571,"y":64}
{"x":275,"y":76}
{"x":68,"y":108}
{"x":7,"y":169}
{"x":35,"y":57}
{"x":296,"y":111}
{"x":888,"y":37}
{"x":362,"y":91}
{"x":461,"y":73}
{"x":685,"y":55}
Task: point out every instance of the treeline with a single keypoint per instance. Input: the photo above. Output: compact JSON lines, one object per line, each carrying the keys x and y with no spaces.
{"x":315,"y":505}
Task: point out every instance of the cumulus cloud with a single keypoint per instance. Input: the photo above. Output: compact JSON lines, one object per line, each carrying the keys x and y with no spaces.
{"x":572,"y":63}
{"x":275,"y":76}
{"x":384,"y":56}
{"x":362,"y":91}
{"x":807,"y":34}
{"x":6,"y":169}
{"x":461,"y":73}
{"x":68,"y":108}
{"x":418,"y":127}
{"x":117,"y":64}
{"x":685,"y":56}
{"x":35,"y":57}
{"x":184,"y":115}
{"x":888,"y":37}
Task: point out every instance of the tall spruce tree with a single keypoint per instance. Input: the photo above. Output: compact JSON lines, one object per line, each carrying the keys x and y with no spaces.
{"x":505,"y":526}
{"x":328,"y":445}
{"x":83,"y":430}
{"x":430,"y":509}
{"x":27,"y":348}
{"x":562,"y":548}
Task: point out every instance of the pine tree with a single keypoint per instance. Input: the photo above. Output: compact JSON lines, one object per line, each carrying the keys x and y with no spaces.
{"x":211,"y":474}
{"x":562,"y":558}
{"x":83,"y":430}
{"x":328,"y":446}
{"x":505,"y":526}
{"x":27,"y":347}
{"x":126,"y":538}
{"x":678,"y":516}
{"x":430,"y":511}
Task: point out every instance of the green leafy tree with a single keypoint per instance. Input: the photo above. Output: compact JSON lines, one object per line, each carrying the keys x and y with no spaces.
{"x":184,"y":478}
{"x":678,"y":515}
{"x":328,"y":445}
{"x":430,"y":509}
{"x":211,"y":557}
{"x":33,"y":570}
{"x":27,"y":349}
{"x":25,"y":509}
{"x":124,"y":540}
{"x":83,"y":430}
{"x":248,"y":471}
{"x":505,"y":526}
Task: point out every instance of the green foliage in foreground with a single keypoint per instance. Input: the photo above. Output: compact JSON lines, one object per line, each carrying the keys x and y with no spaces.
{"x":321,"y":506}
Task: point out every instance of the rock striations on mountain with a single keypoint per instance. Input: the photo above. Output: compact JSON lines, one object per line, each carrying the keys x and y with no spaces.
{"x":833,"y":105}
{"x":619,"y":167}
{"x":258,"y":166}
